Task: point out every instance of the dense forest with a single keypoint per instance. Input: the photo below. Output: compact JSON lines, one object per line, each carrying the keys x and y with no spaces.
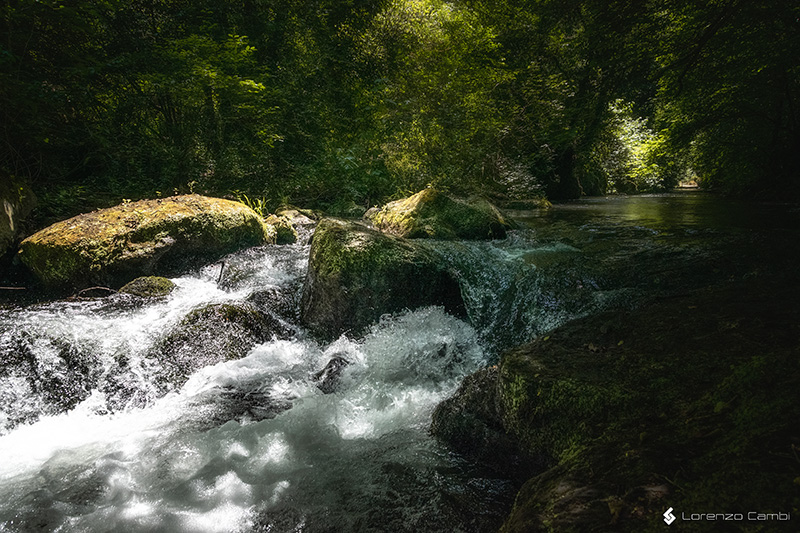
{"x":333,"y":104}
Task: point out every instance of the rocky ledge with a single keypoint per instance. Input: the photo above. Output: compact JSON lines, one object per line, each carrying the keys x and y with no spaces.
{"x":690,"y":402}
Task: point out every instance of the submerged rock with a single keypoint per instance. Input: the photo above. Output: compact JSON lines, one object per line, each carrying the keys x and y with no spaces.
{"x":328,"y":378}
{"x":42,"y":376}
{"x":436,"y":215}
{"x":232,"y":403}
{"x":684,"y":403}
{"x":148,"y":287}
{"x":356,"y":274}
{"x":213,"y":334}
{"x":113,"y":246}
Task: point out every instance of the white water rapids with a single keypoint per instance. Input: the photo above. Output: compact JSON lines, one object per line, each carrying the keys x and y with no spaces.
{"x":90,"y":442}
{"x":205,"y":457}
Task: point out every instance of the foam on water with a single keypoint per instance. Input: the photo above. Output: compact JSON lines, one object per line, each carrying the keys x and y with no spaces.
{"x":255,"y":444}
{"x":168,"y":467}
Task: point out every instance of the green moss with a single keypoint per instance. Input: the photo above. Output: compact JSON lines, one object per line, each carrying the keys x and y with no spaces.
{"x":696,"y":409}
{"x":114,"y":245}
{"x":285,"y":232}
{"x":433,"y":214}
{"x":357,"y":274}
{"x":149,"y":287}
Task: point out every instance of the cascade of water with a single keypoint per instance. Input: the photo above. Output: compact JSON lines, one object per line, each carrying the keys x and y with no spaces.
{"x":520,"y":287}
{"x":245,"y":444}
{"x":295,"y":435}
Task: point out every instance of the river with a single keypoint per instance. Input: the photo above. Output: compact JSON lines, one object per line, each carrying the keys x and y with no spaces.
{"x":89,"y":443}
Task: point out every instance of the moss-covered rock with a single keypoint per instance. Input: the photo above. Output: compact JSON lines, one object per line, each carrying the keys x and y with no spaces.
{"x":212,"y":334}
{"x":469,"y":422}
{"x":298,"y":215}
{"x":148,"y":287}
{"x":16,"y":203}
{"x":356,"y":274}
{"x":436,"y":215}
{"x":113,"y":246}
{"x":285,"y":232}
{"x":690,"y":402}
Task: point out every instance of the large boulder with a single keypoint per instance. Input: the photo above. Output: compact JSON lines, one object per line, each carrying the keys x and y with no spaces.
{"x":16,"y":203}
{"x":435,"y":215}
{"x":613,"y":418}
{"x":356,"y":274}
{"x":164,"y":236}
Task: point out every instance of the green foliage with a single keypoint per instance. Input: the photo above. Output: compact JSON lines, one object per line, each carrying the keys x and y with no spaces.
{"x":259,"y":205}
{"x":728,"y":93}
{"x":328,"y":103}
{"x":633,"y":157}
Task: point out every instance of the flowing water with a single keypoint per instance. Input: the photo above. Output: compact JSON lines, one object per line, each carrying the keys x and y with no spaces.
{"x":91,"y":442}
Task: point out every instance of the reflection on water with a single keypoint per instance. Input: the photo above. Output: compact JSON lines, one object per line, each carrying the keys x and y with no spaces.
{"x":670,"y":212}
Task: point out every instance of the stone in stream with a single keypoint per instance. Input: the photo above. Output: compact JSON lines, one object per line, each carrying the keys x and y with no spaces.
{"x":285,"y":232}
{"x":213,"y":334}
{"x":110,"y":247}
{"x":148,"y":287}
{"x":232,"y":403}
{"x":328,"y":378}
{"x":436,"y":215}
{"x":284,"y":302}
{"x":356,"y":274}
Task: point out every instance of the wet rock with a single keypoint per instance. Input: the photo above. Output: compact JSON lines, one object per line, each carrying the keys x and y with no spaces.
{"x":302,"y":220}
{"x":148,"y":287}
{"x":41,"y":376}
{"x":611,"y":406}
{"x":357,"y":274}
{"x":124,"y":387}
{"x":240,"y":405}
{"x":282,"y":301}
{"x":436,"y":215}
{"x":213,"y":334}
{"x":110,"y":247}
{"x":469,"y":422}
{"x":329,"y":377}
{"x":285,"y":232}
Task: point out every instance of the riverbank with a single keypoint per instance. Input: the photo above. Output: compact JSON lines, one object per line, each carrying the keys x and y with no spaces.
{"x":688,"y":402}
